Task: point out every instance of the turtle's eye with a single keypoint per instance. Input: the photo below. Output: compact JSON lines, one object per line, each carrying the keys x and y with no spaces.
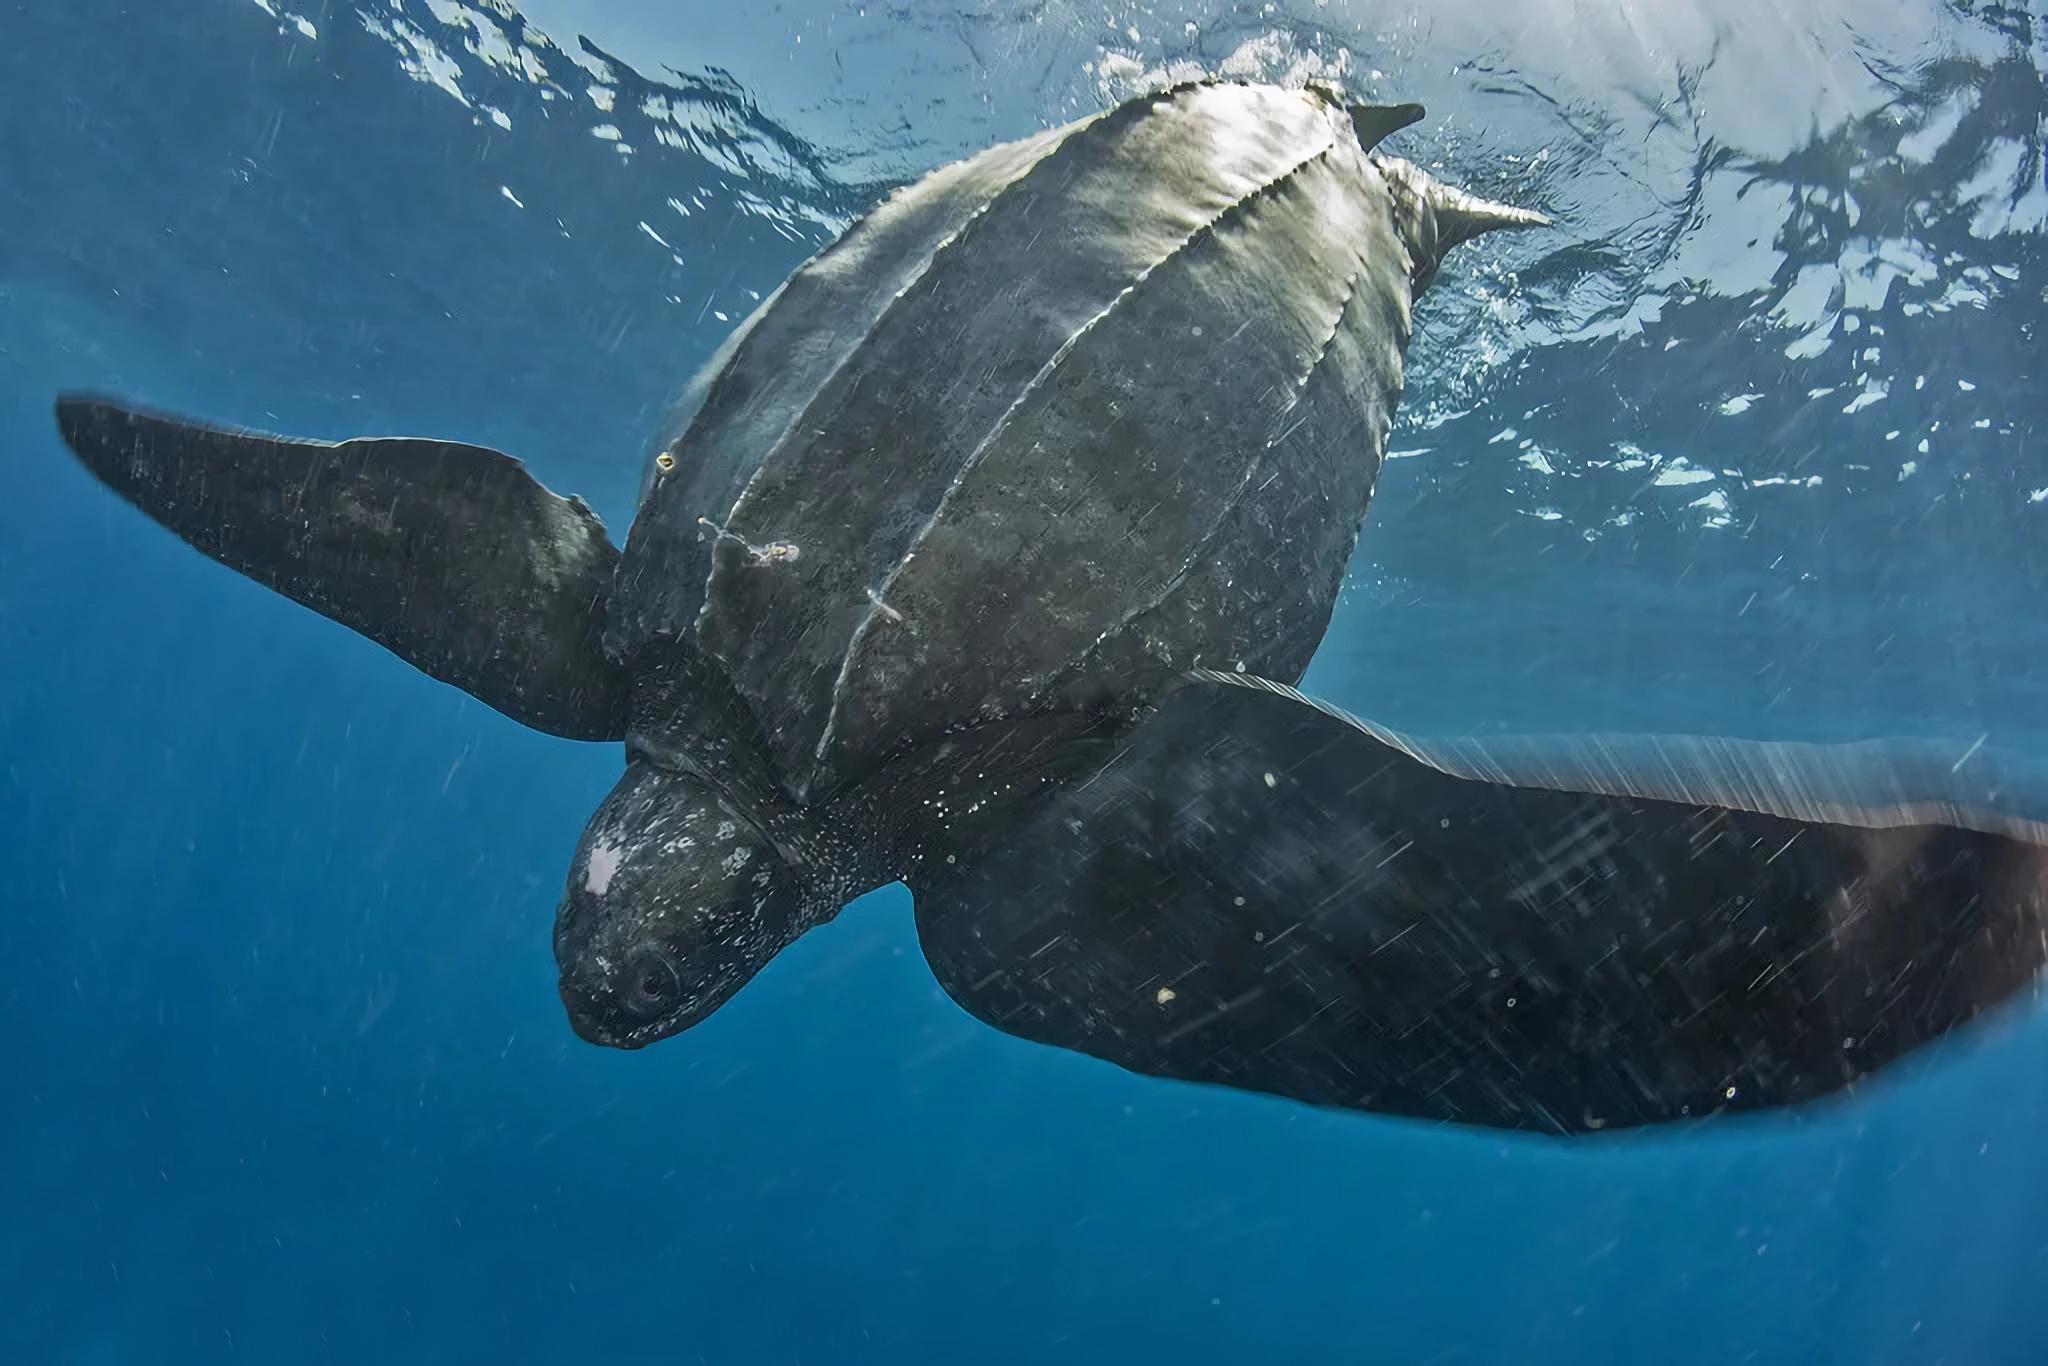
{"x":652,"y":987}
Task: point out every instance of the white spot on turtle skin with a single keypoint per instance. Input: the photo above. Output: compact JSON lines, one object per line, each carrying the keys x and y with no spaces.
{"x":1271,"y":781}
{"x":1166,"y":994}
{"x":726,"y":830}
{"x":604,"y":865}
{"x":736,"y":860}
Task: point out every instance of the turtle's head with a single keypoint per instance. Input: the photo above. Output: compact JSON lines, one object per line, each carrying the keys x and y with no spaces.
{"x":675,"y":900}
{"x":1433,"y":217}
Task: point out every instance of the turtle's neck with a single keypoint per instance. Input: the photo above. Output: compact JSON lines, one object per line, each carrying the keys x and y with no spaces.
{"x":686,"y":717}
{"x":944,"y":801}
{"x":686,"y":714}
{"x":937,"y":802}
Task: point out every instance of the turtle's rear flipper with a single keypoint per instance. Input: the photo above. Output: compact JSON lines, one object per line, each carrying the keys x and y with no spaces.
{"x":1263,"y":893}
{"x":451,"y":556}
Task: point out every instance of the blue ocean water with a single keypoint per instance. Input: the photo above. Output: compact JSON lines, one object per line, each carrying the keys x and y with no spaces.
{"x":1751,"y":445}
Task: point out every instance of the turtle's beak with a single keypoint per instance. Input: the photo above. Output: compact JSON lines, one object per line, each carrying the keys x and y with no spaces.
{"x":592,"y":1021}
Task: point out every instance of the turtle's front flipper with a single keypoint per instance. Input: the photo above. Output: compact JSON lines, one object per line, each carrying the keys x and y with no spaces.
{"x":451,"y":556}
{"x":1263,"y":893}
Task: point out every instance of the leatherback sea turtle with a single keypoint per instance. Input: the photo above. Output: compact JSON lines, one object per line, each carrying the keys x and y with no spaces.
{"x":983,"y":557}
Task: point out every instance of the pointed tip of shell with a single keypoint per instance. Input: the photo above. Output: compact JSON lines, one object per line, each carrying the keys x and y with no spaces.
{"x":1510,"y":217}
{"x":1467,"y":215}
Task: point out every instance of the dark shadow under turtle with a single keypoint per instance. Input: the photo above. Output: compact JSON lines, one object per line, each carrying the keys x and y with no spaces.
{"x":983,"y":557}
